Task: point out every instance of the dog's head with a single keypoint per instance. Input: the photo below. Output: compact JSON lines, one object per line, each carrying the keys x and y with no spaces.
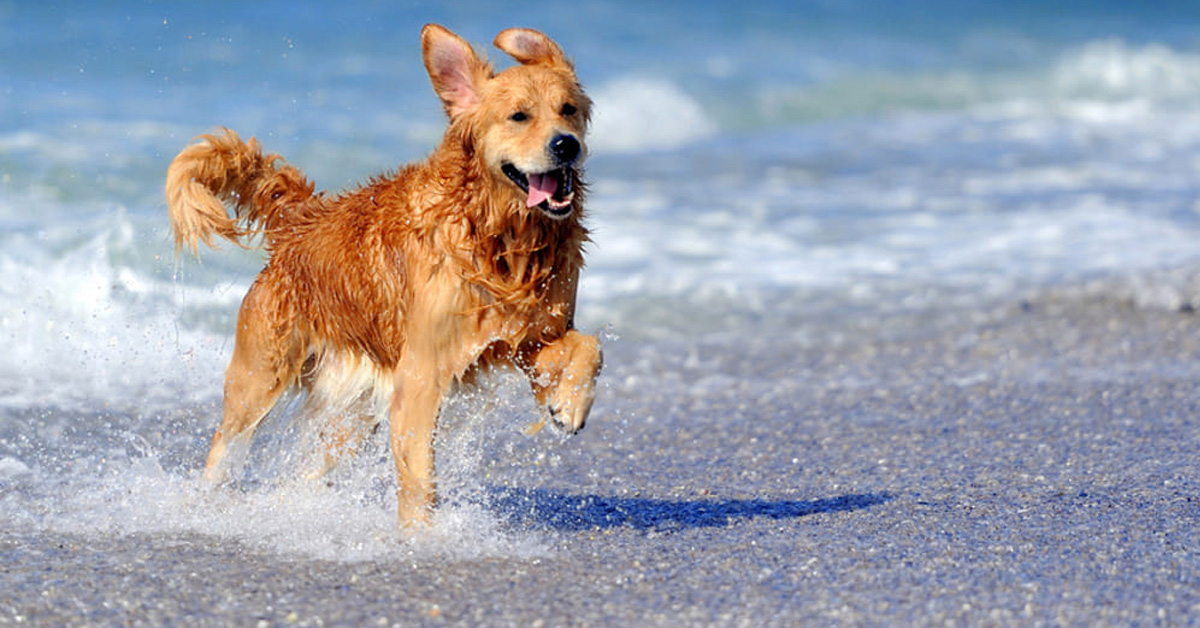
{"x":527,"y":123}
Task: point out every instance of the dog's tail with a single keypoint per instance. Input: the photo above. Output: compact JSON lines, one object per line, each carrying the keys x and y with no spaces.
{"x":221,"y":169}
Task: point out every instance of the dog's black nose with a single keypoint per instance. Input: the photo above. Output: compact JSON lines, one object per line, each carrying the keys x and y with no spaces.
{"x":565,"y":149}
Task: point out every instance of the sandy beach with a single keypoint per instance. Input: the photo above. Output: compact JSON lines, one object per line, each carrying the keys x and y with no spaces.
{"x":1031,"y":463}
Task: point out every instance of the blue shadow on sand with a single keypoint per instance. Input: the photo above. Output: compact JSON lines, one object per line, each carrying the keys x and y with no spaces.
{"x":563,"y":511}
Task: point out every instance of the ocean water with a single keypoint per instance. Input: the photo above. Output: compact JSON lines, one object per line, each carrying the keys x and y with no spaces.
{"x":762,"y":172}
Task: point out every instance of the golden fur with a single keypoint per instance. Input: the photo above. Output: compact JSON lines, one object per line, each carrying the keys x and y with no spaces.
{"x":377,"y":301}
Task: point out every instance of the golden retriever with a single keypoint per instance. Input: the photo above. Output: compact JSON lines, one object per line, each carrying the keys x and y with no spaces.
{"x":381,"y":299}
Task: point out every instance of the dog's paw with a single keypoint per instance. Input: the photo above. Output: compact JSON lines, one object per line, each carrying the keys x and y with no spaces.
{"x":570,"y":406}
{"x":564,"y":381}
{"x":215,"y":477}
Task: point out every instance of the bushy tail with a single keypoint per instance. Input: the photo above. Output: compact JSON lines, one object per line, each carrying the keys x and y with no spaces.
{"x":221,"y":169}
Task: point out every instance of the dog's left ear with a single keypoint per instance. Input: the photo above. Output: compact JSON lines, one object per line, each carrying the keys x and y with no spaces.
{"x":531,"y":47}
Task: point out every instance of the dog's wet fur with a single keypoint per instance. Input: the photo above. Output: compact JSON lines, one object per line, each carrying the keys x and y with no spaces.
{"x":379,"y":300}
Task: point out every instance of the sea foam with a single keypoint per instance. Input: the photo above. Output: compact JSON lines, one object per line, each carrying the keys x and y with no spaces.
{"x":645,"y":114}
{"x":83,"y":327}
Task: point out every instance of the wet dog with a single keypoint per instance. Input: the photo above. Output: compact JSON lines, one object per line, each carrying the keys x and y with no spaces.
{"x":381,"y":299}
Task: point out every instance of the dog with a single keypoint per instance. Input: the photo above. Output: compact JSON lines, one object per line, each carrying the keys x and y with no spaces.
{"x":381,"y":300}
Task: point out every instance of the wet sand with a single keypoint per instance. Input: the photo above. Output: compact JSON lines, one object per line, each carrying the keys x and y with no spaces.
{"x":1024,"y":464}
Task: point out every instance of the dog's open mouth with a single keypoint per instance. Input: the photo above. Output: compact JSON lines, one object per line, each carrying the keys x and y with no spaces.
{"x":552,"y":192}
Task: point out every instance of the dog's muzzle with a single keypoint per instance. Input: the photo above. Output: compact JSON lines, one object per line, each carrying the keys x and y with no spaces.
{"x":552,"y":191}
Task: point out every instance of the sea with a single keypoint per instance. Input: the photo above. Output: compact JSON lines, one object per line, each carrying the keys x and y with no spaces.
{"x":763,"y":175}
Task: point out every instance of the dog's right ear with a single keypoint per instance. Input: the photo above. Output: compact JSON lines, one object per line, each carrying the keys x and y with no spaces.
{"x":456,"y":72}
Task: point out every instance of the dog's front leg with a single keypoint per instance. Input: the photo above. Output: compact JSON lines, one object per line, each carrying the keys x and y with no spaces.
{"x":413,"y":419}
{"x":563,"y":376}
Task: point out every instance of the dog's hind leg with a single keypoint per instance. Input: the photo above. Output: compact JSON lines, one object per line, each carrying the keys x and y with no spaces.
{"x":348,"y":396}
{"x":563,"y":376}
{"x":341,"y":439}
{"x":266,"y":362}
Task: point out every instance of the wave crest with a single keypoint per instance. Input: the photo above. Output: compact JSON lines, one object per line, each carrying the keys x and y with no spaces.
{"x":1112,"y":68}
{"x":635,"y":114}
{"x":1108,"y":72}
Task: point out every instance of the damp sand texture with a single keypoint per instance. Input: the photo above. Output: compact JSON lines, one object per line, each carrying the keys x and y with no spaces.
{"x":998,"y":472}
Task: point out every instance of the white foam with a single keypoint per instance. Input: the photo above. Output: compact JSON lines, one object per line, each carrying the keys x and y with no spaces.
{"x":82,"y":331}
{"x":1112,"y":68}
{"x":1100,"y":197}
{"x":637,"y":114}
{"x":349,"y":516}
{"x":309,"y":519}
{"x":1107,"y":78}
{"x":12,"y":468}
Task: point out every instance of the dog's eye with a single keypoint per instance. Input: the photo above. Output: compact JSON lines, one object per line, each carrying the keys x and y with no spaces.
{"x":519,"y":116}
{"x":569,"y":110}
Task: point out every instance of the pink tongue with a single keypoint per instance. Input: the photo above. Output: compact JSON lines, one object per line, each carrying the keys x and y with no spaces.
{"x":541,"y":187}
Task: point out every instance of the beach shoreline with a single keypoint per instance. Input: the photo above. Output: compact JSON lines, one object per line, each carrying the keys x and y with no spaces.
{"x":1032,"y":463}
